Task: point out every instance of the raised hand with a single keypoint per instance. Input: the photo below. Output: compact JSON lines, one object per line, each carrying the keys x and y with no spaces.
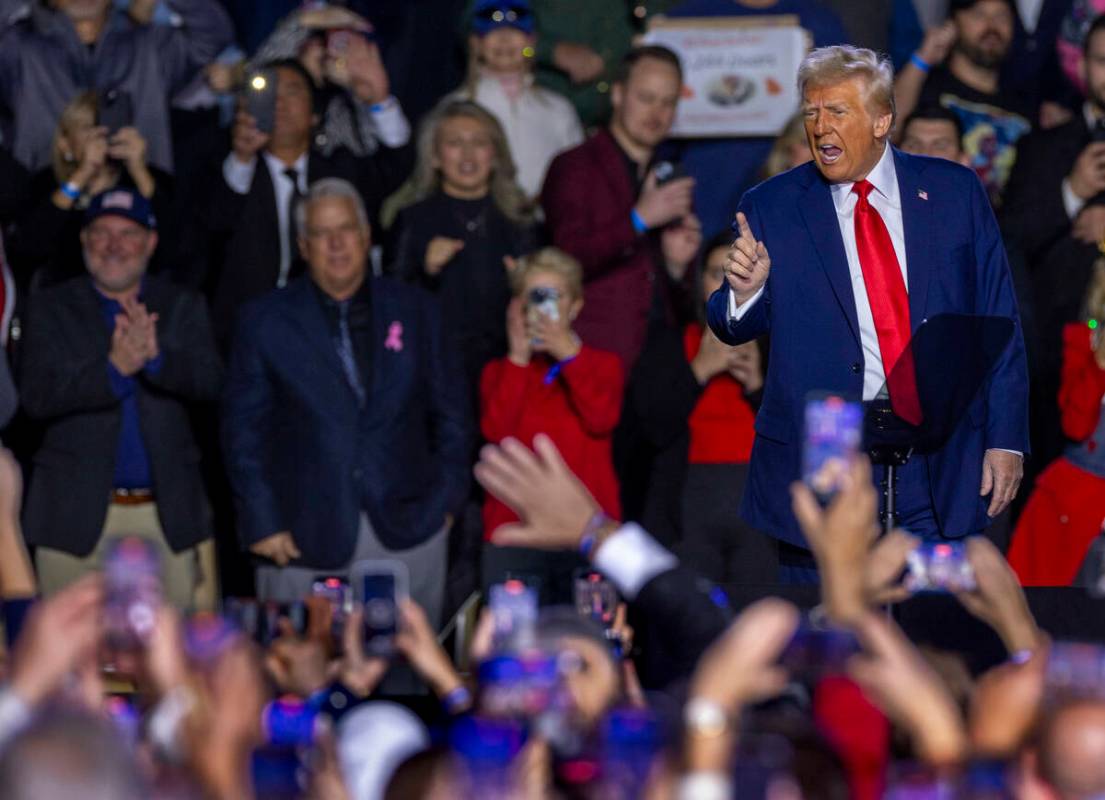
{"x":749,"y":263}
{"x":658,"y":205}
{"x":247,"y":140}
{"x":553,"y":504}
{"x":439,"y":252}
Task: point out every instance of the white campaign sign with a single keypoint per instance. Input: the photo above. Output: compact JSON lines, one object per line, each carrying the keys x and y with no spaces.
{"x":739,"y":73}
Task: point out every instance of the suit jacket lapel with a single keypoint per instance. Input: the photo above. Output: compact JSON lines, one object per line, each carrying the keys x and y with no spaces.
{"x":917,"y":222}
{"x":91,"y":314}
{"x":305,"y":312}
{"x":819,"y":214}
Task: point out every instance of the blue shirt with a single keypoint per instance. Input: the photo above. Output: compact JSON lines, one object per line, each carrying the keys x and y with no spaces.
{"x":724,"y":169}
{"x":132,"y":462}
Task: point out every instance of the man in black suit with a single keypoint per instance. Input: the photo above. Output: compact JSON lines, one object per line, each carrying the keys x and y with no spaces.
{"x":346,"y":426}
{"x":1055,"y":212}
{"x":264,"y":176}
{"x":113,"y":365}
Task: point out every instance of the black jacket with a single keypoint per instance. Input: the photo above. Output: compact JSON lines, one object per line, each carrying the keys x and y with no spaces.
{"x":302,"y":456}
{"x":245,"y":230}
{"x":64,"y":382}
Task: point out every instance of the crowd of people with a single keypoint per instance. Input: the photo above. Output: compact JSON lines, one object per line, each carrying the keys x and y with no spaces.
{"x":302,"y":302}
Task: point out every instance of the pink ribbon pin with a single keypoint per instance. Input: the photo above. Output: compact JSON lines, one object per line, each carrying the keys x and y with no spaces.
{"x":394,"y":342}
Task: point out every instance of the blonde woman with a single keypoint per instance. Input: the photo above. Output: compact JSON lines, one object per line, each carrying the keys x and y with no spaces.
{"x":88,"y":158}
{"x":1067,"y":508}
{"x":470,"y":220}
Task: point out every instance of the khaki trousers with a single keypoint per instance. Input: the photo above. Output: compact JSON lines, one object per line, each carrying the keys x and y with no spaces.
{"x":185,"y":575}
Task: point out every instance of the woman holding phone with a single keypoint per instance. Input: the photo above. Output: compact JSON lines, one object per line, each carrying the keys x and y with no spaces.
{"x":88,"y":158}
{"x":551,"y":383}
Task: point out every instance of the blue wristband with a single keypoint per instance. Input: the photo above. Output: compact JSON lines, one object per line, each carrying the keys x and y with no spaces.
{"x":590,"y":533}
{"x":70,"y":190}
{"x":457,"y":701}
{"x":920,"y":63}
{"x":638,"y":223}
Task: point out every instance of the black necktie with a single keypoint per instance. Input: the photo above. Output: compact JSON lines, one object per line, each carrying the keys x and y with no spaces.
{"x":295,"y":263}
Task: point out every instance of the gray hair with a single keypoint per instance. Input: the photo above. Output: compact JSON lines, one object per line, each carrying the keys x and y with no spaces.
{"x":329,"y":187}
{"x":829,"y":65}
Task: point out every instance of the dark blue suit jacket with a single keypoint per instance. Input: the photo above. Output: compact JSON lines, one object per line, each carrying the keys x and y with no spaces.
{"x":301,"y":455}
{"x":955,"y":263}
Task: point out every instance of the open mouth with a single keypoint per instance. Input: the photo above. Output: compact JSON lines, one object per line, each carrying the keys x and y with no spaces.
{"x":467,"y":168}
{"x":829,"y":153}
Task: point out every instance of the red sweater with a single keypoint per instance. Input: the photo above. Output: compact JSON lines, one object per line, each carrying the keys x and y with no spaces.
{"x":721,"y":423}
{"x":578,"y":410}
{"x":1083,"y":384}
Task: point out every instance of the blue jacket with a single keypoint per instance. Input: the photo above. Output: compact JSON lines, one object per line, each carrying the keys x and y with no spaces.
{"x":955,"y":263}
{"x":302,"y":456}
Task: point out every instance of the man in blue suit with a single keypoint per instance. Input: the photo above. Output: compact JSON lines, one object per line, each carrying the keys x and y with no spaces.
{"x":868,"y":244}
{"x":346,"y":424}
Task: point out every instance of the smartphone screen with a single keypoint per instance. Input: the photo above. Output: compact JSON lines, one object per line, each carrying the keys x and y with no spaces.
{"x":381,"y":612}
{"x":834,"y":428}
{"x":132,"y":592}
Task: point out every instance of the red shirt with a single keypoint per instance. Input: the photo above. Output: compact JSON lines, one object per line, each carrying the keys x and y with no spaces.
{"x":722,"y":420}
{"x":578,"y":409}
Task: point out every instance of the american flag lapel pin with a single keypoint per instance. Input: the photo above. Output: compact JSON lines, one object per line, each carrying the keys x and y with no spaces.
{"x":922,"y":194}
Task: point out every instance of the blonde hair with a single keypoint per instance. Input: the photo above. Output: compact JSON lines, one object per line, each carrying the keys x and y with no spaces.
{"x":829,"y":65}
{"x":778,"y":160}
{"x":81,"y":110}
{"x":552,"y":260}
{"x":1093,"y":306}
{"x":505,"y":192}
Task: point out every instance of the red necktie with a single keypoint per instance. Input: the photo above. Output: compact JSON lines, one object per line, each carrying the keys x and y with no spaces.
{"x":889,"y":305}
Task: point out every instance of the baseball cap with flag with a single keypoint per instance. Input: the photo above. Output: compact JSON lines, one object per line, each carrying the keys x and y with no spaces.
{"x":121,"y":202}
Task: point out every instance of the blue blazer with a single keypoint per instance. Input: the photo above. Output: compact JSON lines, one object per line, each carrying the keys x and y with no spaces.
{"x":955,"y":263}
{"x":302,"y":456}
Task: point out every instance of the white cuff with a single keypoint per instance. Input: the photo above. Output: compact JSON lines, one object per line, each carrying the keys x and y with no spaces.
{"x":630,"y":558}
{"x":736,"y":313}
{"x":14,"y":714}
{"x":238,"y":176}
{"x":704,"y":786}
{"x":387,"y":122}
{"x":1071,"y":202}
{"x":1005,"y":450}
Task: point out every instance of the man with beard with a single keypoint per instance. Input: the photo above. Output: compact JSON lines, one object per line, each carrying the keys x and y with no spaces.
{"x":1055,"y":211}
{"x":975,"y":42}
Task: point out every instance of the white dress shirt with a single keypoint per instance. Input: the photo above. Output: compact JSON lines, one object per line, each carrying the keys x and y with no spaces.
{"x":884,"y":199}
{"x":239,"y":176}
{"x":538,"y":123}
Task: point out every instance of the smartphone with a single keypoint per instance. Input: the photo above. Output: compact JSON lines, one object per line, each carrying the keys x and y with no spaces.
{"x":207,"y":636}
{"x":1075,"y":670}
{"x":543,"y":300}
{"x":834,"y":429}
{"x":259,"y":98}
{"x":379,"y":588}
{"x":513,"y":607}
{"x":939,"y":567}
{"x":261,"y":620}
{"x":338,"y":595}
{"x":115,"y":110}
{"x":132,"y":593}
{"x":668,"y":171}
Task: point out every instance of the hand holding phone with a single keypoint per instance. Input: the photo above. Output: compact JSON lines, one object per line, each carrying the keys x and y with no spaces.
{"x":834,"y":429}
{"x":379,"y":588}
{"x":940,"y":567}
{"x":132,"y":593}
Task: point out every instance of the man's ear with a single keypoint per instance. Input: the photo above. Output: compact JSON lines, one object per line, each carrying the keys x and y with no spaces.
{"x":883,"y":124}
